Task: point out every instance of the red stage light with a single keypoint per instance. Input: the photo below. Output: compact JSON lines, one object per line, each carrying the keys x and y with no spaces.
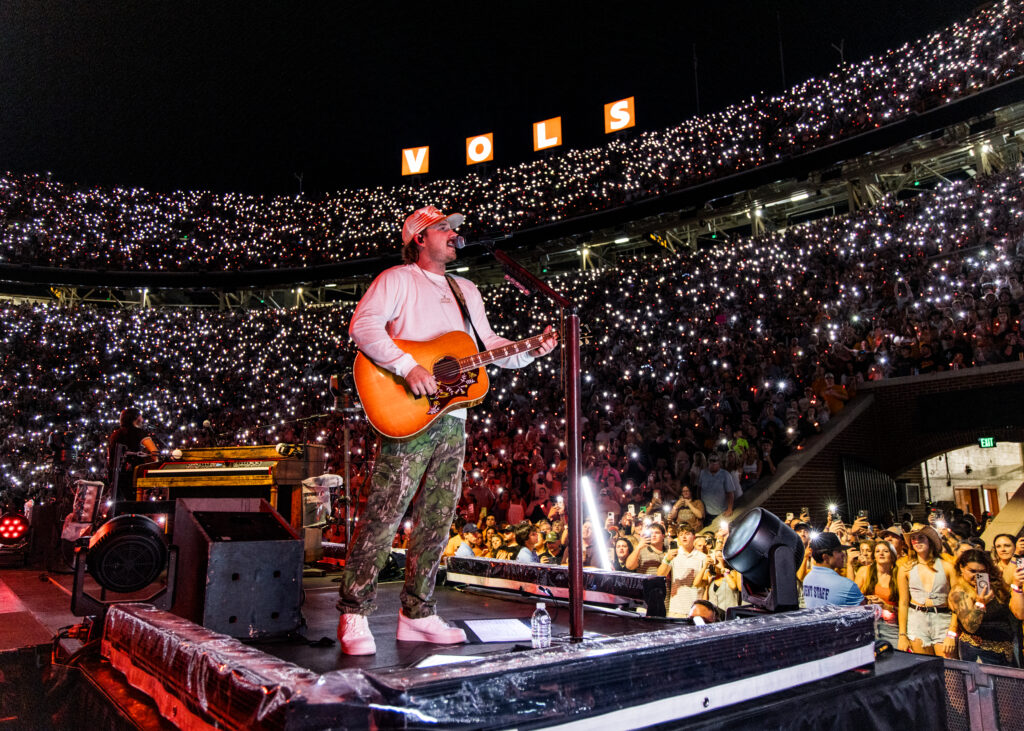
{"x":13,"y":528}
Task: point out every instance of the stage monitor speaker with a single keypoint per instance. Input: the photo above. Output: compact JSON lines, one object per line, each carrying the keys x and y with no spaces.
{"x":240,"y":567}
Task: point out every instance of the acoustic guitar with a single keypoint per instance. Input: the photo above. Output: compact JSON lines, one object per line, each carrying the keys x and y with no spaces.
{"x":394,"y":411}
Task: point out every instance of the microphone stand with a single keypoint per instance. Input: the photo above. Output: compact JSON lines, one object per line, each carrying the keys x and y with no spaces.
{"x":346,"y":430}
{"x":344,"y":404}
{"x":528,"y":283}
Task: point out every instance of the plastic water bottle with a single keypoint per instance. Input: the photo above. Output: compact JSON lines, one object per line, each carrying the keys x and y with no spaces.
{"x":540,"y":626}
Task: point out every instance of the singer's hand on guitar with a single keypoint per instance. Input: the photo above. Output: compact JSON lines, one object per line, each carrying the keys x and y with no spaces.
{"x":421,"y":382}
{"x":547,"y":345}
{"x":385,"y":398}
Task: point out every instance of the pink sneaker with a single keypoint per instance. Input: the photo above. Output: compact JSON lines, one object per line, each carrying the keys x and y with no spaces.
{"x":429,"y":629}
{"x":355,"y":636}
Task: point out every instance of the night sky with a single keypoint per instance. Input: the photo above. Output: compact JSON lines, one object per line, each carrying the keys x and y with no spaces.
{"x":241,"y":96}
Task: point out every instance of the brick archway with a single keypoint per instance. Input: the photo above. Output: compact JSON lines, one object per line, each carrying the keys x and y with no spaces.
{"x":895,"y":425}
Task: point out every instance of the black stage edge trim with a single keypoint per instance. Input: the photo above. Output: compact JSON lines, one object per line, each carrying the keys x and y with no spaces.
{"x":594,"y":679}
{"x":195,"y":674}
{"x":905,"y":691}
{"x":607,"y":587}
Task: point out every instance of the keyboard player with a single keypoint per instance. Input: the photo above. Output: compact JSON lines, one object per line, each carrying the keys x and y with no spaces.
{"x":135,"y":440}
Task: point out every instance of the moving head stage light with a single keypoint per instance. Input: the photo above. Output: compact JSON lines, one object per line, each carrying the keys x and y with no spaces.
{"x":126,"y":554}
{"x":766,"y":552}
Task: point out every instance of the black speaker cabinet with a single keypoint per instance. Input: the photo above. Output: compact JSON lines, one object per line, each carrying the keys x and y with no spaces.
{"x":239,"y":567}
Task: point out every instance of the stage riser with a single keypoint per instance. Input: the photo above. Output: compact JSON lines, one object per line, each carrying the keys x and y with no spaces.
{"x":536,"y":688}
{"x":216,"y":680}
{"x":682,"y":671}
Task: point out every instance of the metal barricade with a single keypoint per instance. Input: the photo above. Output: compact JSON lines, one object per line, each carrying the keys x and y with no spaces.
{"x":983,"y":697}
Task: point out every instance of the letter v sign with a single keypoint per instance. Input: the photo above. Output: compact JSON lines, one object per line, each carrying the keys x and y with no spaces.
{"x":415,"y":160}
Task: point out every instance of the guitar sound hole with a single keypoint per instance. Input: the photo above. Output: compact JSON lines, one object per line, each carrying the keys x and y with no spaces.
{"x":446,"y":370}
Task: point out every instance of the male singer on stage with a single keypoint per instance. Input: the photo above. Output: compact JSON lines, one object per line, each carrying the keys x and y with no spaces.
{"x":414,"y":302}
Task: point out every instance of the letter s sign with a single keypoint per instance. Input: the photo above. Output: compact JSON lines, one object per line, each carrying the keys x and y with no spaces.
{"x":619,"y":115}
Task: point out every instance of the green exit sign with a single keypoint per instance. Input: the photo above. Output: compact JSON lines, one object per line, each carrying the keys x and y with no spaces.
{"x":986,"y":442}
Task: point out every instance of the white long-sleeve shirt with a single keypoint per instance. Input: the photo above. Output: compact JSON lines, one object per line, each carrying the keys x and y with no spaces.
{"x":405,"y":302}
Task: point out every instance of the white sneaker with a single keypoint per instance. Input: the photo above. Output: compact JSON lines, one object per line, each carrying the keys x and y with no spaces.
{"x":354,"y":633}
{"x":429,"y":629}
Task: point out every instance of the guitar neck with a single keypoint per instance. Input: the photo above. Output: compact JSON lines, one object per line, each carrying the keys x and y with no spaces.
{"x":487,"y":357}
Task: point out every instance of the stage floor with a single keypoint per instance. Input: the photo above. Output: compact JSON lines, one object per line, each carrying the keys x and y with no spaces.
{"x":454,"y":605}
{"x":48,"y":597}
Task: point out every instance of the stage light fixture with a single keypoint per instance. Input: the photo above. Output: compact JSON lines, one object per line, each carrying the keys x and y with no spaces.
{"x":766,"y":552}
{"x":13,"y":529}
{"x":127,"y":553}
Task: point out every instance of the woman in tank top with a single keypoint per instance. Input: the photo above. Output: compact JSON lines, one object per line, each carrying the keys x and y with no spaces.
{"x":927,"y":625}
{"x":878,"y":582}
{"x":724,"y":586}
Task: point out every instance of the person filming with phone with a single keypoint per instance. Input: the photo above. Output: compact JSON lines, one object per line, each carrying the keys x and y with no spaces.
{"x":986,"y":608}
{"x":649,"y":551}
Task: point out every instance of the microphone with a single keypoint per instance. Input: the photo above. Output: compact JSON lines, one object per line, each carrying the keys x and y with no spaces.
{"x":461,"y":243}
{"x":488,"y":243}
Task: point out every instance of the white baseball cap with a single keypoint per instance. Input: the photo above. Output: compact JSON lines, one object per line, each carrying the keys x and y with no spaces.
{"x":423,"y":218}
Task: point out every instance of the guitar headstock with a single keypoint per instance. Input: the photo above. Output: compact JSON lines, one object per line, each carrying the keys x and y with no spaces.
{"x":585,"y":334}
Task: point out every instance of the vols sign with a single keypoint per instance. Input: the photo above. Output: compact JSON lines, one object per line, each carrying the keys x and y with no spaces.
{"x":547,"y":133}
{"x":619,"y":115}
{"x":415,"y":160}
{"x":480,"y":148}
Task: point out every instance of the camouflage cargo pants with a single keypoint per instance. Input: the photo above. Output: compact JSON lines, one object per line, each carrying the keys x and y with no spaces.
{"x":438,"y":452}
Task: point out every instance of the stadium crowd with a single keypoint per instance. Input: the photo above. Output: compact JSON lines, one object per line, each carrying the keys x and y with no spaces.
{"x":50,"y":223}
{"x":745,"y":349}
{"x":972,"y":610}
{"x":706,"y":368}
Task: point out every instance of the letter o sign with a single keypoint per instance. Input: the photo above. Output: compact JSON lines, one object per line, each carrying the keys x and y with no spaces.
{"x":480,"y":148}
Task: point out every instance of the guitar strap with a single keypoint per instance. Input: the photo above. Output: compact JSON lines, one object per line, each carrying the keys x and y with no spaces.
{"x":465,"y":310}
